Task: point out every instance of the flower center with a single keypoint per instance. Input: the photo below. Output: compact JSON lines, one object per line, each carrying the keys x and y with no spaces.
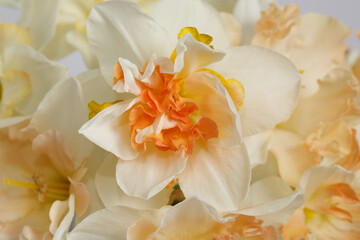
{"x":45,"y":190}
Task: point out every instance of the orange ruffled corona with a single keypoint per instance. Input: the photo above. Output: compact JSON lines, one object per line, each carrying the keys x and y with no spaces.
{"x":162,"y":102}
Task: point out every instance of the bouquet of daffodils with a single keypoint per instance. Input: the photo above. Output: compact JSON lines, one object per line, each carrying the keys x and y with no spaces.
{"x":196,"y":120}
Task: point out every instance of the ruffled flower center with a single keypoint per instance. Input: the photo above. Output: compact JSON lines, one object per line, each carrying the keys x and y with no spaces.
{"x":164,"y":117}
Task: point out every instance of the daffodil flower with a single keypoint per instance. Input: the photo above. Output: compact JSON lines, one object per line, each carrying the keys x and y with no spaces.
{"x":314,"y":42}
{"x":182,"y":121}
{"x":191,"y":219}
{"x":331,"y":209}
{"x":324,"y":138}
{"x":43,"y":165}
{"x":25,"y":75}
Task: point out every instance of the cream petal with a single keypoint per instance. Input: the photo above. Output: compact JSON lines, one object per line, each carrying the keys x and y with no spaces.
{"x":82,"y":196}
{"x":118,"y":29}
{"x":42,"y":72}
{"x":53,"y":113}
{"x":214,"y":103}
{"x":264,"y":74}
{"x":52,"y":144}
{"x":266,"y":190}
{"x":276,"y":212}
{"x":193,"y":55}
{"x":321,"y":48}
{"x":16,"y":85}
{"x":321,"y":175}
{"x":219,"y":176}
{"x":258,"y":147}
{"x":114,"y":221}
{"x":65,"y":224}
{"x":12,"y":121}
{"x":223,"y":6}
{"x":173,"y":15}
{"x":12,"y":33}
{"x":150,"y":172}
{"x":248,"y":12}
{"x":57,"y":212}
{"x":39,"y":19}
{"x":292,"y":155}
{"x":111,"y":194}
{"x":59,"y":47}
{"x":190,"y":219}
{"x":79,"y":41}
{"x":110,"y":130}
{"x":131,"y":75}
{"x":335,"y":98}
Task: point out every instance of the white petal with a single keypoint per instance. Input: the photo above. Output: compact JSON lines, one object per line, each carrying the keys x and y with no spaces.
{"x":111,"y":194}
{"x":12,"y":33}
{"x":120,"y":29}
{"x":193,"y":55}
{"x":110,"y":130}
{"x":65,"y":224}
{"x":114,"y":221}
{"x":174,"y":15}
{"x":258,"y":147}
{"x":266,"y":190}
{"x":271,"y":85}
{"x":131,"y":74}
{"x":39,"y":18}
{"x":248,"y":12}
{"x":64,"y":110}
{"x":43,"y":74}
{"x":217,"y":176}
{"x":214,"y":103}
{"x":150,"y":173}
{"x":276,"y":212}
{"x":223,"y":6}
{"x":12,"y":121}
{"x":58,"y":47}
{"x":191,"y":218}
{"x":79,"y":41}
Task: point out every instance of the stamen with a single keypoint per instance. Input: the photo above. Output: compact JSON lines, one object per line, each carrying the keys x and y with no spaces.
{"x":21,"y":184}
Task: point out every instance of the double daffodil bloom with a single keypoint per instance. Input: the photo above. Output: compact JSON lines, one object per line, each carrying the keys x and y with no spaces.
{"x":314,"y":42}
{"x":331,"y":209}
{"x":191,"y":219}
{"x":45,"y":182}
{"x":25,"y":75}
{"x":182,"y":120}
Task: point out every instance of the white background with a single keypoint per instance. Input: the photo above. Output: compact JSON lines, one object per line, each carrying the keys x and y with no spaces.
{"x":347,"y":11}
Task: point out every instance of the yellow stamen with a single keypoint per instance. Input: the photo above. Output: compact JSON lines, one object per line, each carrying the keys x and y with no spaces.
{"x":204,"y":38}
{"x":95,"y":108}
{"x":301,"y":71}
{"x":21,"y":184}
{"x":234,"y":87}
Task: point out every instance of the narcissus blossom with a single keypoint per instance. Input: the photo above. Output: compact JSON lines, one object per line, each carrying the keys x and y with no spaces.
{"x":317,"y":131}
{"x":314,"y":42}
{"x":191,"y":219}
{"x":331,"y":209}
{"x":25,"y":75}
{"x":190,"y":105}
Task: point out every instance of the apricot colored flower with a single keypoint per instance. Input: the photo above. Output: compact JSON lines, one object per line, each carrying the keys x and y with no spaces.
{"x":317,"y":132}
{"x":331,"y":209}
{"x":314,"y":42}
{"x":184,"y":116}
